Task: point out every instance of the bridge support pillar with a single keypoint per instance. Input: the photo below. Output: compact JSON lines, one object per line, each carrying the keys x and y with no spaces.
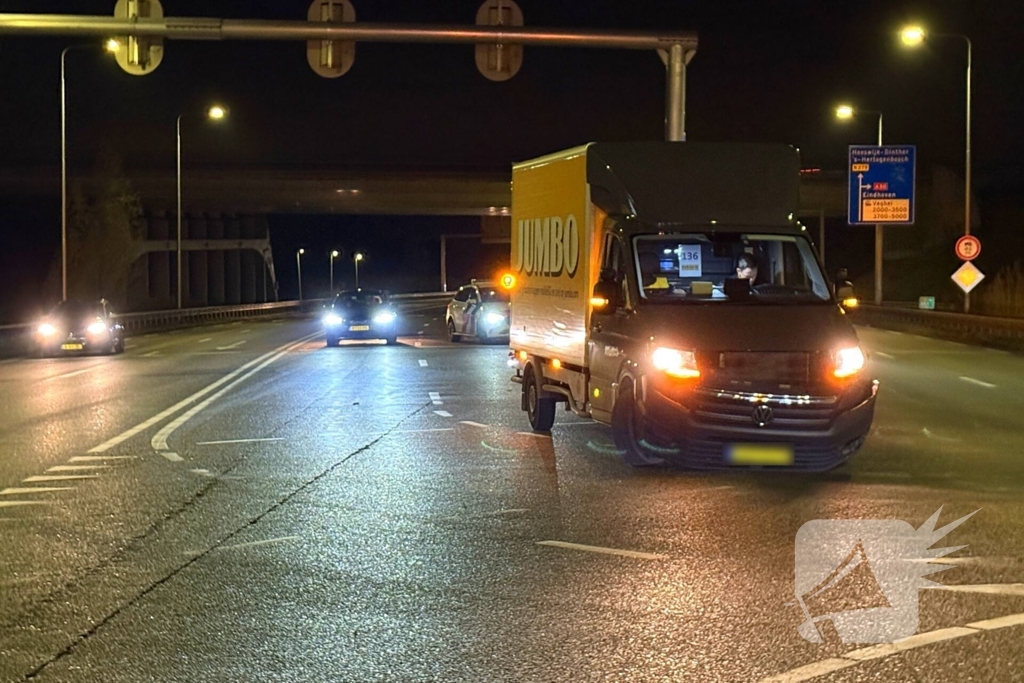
{"x":215,"y":262}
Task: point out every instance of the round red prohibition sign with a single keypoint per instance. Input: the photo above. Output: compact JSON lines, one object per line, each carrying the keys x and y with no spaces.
{"x":968,"y":247}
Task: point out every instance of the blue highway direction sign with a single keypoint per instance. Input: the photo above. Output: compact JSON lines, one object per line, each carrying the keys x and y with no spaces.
{"x":881,"y":184}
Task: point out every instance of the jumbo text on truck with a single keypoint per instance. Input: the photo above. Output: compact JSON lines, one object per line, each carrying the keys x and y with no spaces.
{"x":667,"y":289}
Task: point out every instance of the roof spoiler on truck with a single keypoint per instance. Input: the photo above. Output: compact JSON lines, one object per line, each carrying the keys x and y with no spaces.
{"x":693,"y":183}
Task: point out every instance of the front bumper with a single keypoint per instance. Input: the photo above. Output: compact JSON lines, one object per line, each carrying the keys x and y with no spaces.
{"x":373,"y":331}
{"x":66,"y":345}
{"x":703,"y":424}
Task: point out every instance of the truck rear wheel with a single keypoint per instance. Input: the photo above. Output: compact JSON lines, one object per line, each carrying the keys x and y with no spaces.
{"x":539,"y":409}
{"x":630,"y":431}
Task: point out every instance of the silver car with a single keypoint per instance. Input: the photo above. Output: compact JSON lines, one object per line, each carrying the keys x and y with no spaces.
{"x":478,"y":311}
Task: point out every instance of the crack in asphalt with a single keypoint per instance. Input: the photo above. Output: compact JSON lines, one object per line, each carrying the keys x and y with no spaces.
{"x":133,"y":544}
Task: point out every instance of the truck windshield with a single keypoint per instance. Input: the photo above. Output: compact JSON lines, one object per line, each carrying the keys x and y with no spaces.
{"x":747,"y":268}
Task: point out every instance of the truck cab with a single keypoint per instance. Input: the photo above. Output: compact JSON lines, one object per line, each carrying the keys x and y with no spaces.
{"x":712,"y":338}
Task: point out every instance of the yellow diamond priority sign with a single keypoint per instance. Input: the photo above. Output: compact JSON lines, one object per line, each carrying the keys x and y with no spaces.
{"x":967,"y":277}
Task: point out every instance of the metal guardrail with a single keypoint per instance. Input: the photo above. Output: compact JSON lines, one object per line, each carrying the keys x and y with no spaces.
{"x":17,"y":339}
{"x":960,"y":327}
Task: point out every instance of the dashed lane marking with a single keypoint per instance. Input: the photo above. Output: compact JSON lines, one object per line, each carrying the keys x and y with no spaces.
{"x":38,"y":489}
{"x":267,"y":541}
{"x":435,"y":398}
{"x":987,"y":588}
{"x":978,"y":382}
{"x":472,"y":424}
{"x":151,"y":354}
{"x":602,"y":550}
{"x":231,"y":346}
{"x":19,"y":503}
{"x":227,"y":441}
{"x":203,"y":340}
{"x":442,"y":413}
{"x":423,"y":363}
{"x":883,"y":354}
{"x":75,"y":373}
{"x":535,"y":435}
{"x":58,"y":477}
{"x":101,"y":458}
{"x":77,"y":468}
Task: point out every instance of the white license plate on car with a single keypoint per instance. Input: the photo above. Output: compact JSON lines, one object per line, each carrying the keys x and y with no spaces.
{"x":359,"y":328}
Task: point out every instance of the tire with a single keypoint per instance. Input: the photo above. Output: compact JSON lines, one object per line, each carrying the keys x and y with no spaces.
{"x":120,"y":346}
{"x":630,"y":432}
{"x":539,"y":410}
{"x":391,"y":341}
{"x":333,"y":341}
{"x":452,"y":335}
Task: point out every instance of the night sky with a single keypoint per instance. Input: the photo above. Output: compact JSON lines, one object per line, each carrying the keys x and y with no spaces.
{"x":764,"y":72}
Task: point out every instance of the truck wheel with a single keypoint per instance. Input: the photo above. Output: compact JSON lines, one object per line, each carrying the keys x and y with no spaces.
{"x":629,"y":430}
{"x":540,"y":410}
{"x":391,"y":341}
{"x":452,"y":335}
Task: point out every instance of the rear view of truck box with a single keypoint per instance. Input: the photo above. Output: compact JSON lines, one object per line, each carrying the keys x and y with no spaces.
{"x":552,"y":256}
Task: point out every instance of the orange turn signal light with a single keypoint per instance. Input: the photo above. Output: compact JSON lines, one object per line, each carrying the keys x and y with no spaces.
{"x":598,"y":301}
{"x":555,"y":363}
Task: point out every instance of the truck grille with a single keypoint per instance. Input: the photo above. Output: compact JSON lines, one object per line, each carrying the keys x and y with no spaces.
{"x":788,"y":411}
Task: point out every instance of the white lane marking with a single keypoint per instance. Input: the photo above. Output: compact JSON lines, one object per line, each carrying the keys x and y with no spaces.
{"x":472,"y":424}
{"x":442,"y":413}
{"x":58,"y":477}
{"x":17,"y":503}
{"x":435,"y":398}
{"x":101,"y":458}
{"x":202,"y":472}
{"x":151,"y":354}
{"x":535,"y":435}
{"x":217,"y":443}
{"x":883,"y":354}
{"x":231,"y":346}
{"x":577,"y":424}
{"x":159,"y":440}
{"x":423,"y":363}
{"x":40,"y":489}
{"x":816,"y":669}
{"x":142,"y":426}
{"x":603,"y":551}
{"x":267,"y":541}
{"x":203,"y":340}
{"x":978,"y":382}
{"x":930,"y":435}
{"x":420,"y":431}
{"x":77,"y":468}
{"x":75,"y":373}
{"x":172,"y":456}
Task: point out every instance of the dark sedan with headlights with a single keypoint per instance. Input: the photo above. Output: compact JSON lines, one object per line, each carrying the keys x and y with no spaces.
{"x":80,"y":327}
{"x":362,"y":314}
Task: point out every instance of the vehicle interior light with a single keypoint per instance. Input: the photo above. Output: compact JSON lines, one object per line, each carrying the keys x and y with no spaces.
{"x":681,"y":364}
{"x":849,"y":362}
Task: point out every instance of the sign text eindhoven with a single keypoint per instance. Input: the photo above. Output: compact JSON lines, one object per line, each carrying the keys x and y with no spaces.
{"x":881,"y":184}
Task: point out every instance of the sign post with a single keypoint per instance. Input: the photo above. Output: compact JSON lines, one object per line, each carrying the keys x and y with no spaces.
{"x":881,"y":192}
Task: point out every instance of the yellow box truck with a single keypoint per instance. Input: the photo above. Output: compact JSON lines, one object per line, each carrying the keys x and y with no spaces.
{"x":666,"y":289}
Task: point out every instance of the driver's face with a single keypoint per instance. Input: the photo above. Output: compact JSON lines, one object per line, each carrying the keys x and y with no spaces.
{"x":747,"y":272}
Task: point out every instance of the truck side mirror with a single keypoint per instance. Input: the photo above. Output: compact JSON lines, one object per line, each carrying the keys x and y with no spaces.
{"x":607,"y":295}
{"x":847,"y":297}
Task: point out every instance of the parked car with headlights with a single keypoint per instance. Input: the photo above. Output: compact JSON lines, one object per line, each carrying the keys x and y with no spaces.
{"x":363,"y":314}
{"x":80,"y":327}
{"x":479,"y":311}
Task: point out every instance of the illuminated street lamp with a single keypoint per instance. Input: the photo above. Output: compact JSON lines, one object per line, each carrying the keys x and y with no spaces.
{"x":214,"y":113}
{"x":298,"y":264}
{"x":846,"y":112}
{"x":110,"y":46}
{"x":334,"y":255}
{"x":914,"y":36}
{"x":356,"y":259}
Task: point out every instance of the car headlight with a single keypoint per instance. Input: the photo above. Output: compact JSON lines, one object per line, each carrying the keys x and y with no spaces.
{"x":47,"y":330}
{"x":675,"y":363}
{"x":493,"y":318}
{"x":333,"y":319}
{"x":96,"y":327}
{"x":848,"y":362}
{"x":384,"y":317}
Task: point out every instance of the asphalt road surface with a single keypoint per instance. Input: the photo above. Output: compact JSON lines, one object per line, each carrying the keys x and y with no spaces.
{"x":240,"y":503}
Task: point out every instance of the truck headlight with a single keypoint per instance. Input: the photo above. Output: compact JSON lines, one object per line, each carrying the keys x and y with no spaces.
{"x":848,"y":362}
{"x":493,"y":318}
{"x":384,"y":318}
{"x":96,"y":327}
{"x":675,"y":363}
{"x":332,"y":319}
{"x":47,"y":330}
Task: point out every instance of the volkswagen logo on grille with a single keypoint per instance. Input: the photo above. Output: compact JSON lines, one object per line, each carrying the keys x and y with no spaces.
{"x":762,"y":415}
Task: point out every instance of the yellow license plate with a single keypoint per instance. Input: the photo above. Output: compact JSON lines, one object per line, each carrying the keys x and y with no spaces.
{"x":759,"y":454}
{"x":71,"y":347}
{"x":359,"y":328}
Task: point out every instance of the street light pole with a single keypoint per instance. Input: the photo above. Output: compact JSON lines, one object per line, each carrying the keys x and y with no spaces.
{"x":298,"y":265}
{"x":334,"y":255}
{"x":357,"y":258}
{"x":178,"y":128}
